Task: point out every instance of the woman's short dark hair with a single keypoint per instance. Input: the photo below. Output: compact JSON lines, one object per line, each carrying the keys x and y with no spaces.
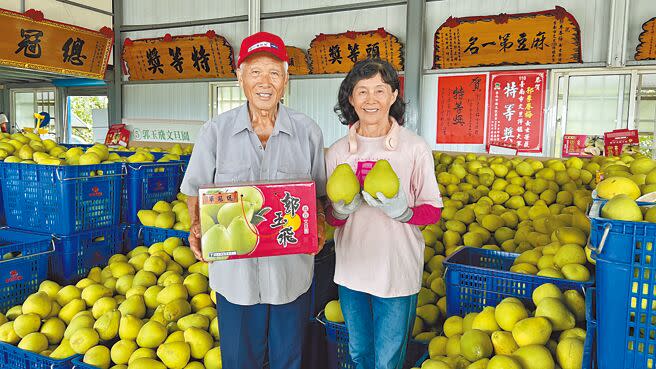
{"x":365,"y":69}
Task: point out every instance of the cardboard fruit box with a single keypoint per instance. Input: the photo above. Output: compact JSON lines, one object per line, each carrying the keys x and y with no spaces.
{"x":257,"y":219}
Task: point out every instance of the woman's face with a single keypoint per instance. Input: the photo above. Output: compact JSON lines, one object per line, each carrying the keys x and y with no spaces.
{"x":372,"y":99}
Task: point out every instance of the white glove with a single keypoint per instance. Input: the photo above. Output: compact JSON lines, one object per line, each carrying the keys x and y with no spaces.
{"x":342,"y":211}
{"x":395,"y":207}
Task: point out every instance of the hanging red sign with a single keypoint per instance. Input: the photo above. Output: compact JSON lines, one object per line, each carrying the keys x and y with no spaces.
{"x":516,"y":110}
{"x":461,"y":109}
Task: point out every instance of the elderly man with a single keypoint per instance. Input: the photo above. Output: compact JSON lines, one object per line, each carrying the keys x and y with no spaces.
{"x":262,"y":303}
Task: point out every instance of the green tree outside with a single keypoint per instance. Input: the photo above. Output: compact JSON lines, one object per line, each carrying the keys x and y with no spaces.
{"x":81,"y":106}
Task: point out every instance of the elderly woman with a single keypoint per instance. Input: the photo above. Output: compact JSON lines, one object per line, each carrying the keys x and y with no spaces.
{"x":378,"y":244}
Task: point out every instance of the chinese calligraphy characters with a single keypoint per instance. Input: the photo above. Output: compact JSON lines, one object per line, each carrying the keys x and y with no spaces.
{"x":286,"y":234}
{"x":30,"y":44}
{"x":73,"y":51}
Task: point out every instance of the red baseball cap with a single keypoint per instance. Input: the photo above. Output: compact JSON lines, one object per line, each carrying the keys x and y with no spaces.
{"x":262,"y":42}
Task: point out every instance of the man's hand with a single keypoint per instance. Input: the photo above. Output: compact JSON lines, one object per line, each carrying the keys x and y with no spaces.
{"x":194,"y":241}
{"x":321,"y":234}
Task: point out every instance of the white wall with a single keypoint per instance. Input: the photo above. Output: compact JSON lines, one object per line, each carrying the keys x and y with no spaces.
{"x":65,"y":13}
{"x":13,"y":5}
{"x":300,"y":31}
{"x":317,"y":98}
{"x":168,"y":11}
{"x":74,"y":15}
{"x":272,"y":6}
{"x":176,"y":101}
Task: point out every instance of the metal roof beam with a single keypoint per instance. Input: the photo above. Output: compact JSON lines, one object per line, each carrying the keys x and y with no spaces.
{"x":333,"y":9}
{"x":200,"y":22}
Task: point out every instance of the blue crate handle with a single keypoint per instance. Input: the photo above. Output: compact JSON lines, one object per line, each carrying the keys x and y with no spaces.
{"x":52,"y":242}
{"x":318,"y":317}
{"x":156,"y":164}
{"x":122,"y":174}
{"x":594,"y":212}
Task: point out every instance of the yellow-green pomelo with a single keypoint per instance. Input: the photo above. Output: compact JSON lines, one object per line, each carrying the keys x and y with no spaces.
{"x":507,"y":314}
{"x":151,"y":334}
{"x":53,"y":329}
{"x":37,"y":303}
{"x":475,"y":345}
{"x":98,"y":357}
{"x":26,"y":324}
{"x":175,"y":355}
{"x":122,"y":350}
{"x":503,"y":362}
{"x":333,"y":312}
{"x":532,"y":331}
{"x":503,"y":342}
{"x":555,"y":310}
{"x":342,"y":185}
{"x":544,"y":291}
{"x":149,"y":363}
{"x":534,"y":357}
{"x":382,"y":178}
{"x":622,"y":207}
{"x":34,"y":342}
{"x":83,"y":339}
{"x":611,"y":187}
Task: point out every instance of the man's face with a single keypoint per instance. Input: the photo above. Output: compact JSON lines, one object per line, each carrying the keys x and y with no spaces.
{"x":263,"y":79}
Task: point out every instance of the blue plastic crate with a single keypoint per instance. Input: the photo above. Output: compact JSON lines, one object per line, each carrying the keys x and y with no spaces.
{"x":131,"y":236}
{"x":11,"y":357}
{"x":476,"y":278}
{"x":21,"y":275}
{"x":619,"y":241}
{"x":147,"y":183}
{"x":626,"y":290}
{"x":626,"y":315}
{"x":61,"y":199}
{"x":78,"y":253}
{"x":3,"y":218}
{"x":589,"y":346}
{"x":153,"y":235}
{"x":337,"y":342}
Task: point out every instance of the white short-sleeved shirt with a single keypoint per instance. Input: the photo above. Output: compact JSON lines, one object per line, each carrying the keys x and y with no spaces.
{"x":227,"y":150}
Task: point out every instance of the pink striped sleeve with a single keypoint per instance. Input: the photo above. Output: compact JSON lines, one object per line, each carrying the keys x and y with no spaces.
{"x":425,"y":215}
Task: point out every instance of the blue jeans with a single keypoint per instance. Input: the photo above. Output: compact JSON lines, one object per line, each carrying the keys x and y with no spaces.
{"x":378,"y":328}
{"x":247,"y":332}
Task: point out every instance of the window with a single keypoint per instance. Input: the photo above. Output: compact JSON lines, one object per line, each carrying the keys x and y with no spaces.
{"x":229,"y":95}
{"x":225,"y":96}
{"x":26,"y":102}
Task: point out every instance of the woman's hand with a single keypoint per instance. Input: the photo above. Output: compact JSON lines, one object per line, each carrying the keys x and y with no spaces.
{"x":396,"y":207}
{"x":342,"y":211}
